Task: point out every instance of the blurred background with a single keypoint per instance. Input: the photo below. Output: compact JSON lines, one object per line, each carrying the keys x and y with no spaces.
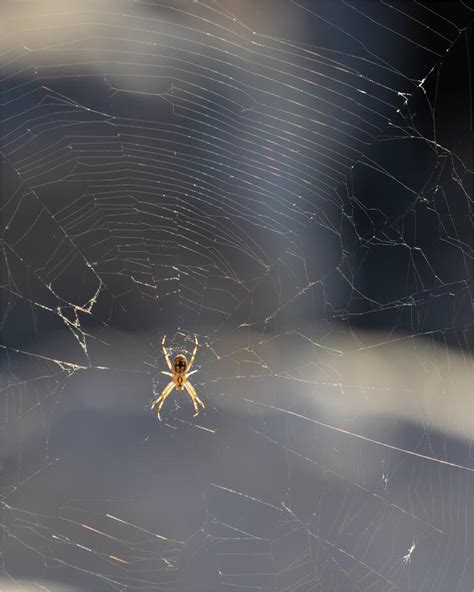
{"x":291,"y":181}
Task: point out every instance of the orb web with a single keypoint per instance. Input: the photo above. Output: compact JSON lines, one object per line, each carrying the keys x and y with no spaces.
{"x":290,"y":182}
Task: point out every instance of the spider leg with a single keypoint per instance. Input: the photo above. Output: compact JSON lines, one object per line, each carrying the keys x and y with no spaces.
{"x":192,"y":372}
{"x":167,"y":373}
{"x":195,"y":399}
{"x":196,"y":345}
{"x":165,"y":353}
{"x":162,"y":398}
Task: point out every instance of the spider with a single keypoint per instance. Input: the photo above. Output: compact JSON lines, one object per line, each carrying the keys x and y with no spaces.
{"x":179,"y":374}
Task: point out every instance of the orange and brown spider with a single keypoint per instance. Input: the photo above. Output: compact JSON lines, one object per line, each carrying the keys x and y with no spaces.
{"x":179,"y":374}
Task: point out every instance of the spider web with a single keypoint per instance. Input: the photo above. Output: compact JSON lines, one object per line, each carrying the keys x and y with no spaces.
{"x":291,"y":182}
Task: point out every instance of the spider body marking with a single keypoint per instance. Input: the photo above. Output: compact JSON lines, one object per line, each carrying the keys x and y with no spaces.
{"x":180,"y":365}
{"x":179,"y":372}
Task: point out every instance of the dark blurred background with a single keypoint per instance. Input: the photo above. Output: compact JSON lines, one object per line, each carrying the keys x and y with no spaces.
{"x":291,"y":182}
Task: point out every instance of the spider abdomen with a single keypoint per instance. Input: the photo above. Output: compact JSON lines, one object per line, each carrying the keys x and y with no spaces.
{"x":180,"y":364}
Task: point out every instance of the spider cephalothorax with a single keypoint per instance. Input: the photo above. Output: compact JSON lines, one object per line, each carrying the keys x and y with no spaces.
{"x":179,"y":374}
